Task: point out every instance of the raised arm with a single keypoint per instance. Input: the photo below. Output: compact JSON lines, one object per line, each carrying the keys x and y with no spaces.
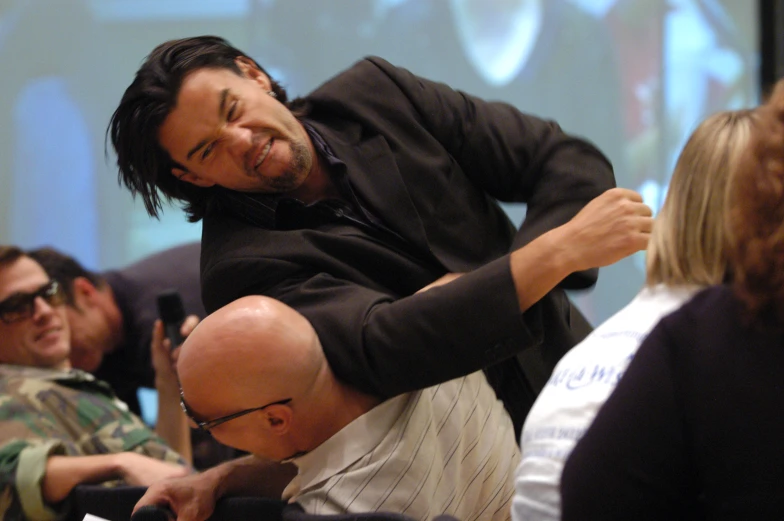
{"x":172,"y":425}
{"x":611,"y":227}
{"x":511,"y":156}
{"x":386,"y":345}
{"x":437,"y":146}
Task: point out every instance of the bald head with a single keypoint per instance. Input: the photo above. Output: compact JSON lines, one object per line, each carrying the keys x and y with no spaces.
{"x":260,"y":357}
{"x":254,"y":349}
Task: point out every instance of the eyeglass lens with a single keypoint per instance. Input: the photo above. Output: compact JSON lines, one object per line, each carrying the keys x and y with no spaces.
{"x":21,"y":306}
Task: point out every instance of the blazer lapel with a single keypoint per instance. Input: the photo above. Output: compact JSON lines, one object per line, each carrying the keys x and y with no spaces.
{"x":376,"y":179}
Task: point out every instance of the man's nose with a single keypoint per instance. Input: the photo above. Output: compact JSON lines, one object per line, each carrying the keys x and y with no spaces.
{"x":41,"y":309}
{"x":239,"y":141}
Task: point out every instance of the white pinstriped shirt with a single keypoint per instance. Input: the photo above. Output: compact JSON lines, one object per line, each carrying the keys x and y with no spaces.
{"x":448,"y":449}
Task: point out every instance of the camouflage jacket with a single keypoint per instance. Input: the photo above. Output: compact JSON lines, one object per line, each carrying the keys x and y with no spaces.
{"x":45,"y":412}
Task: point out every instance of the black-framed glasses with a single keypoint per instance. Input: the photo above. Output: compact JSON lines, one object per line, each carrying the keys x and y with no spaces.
{"x":211,"y":424}
{"x":21,"y":306}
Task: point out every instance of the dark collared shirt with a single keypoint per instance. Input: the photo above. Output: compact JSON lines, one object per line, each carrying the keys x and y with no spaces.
{"x":277,"y":212}
{"x":282,"y":212}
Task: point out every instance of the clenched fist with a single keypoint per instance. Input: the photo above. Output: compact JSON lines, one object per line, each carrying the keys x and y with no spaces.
{"x":609,"y":228}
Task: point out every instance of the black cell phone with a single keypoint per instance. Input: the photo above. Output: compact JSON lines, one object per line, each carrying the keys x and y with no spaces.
{"x":172,"y":314}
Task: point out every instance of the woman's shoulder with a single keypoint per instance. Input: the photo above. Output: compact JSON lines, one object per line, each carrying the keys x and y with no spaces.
{"x":711,"y":300}
{"x":712,"y":313}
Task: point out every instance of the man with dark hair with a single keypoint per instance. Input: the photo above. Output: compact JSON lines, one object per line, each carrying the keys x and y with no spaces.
{"x":112,"y":314}
{"x":145,"y":167}
{"x":346,"y":203}
{"x":61,"y":427}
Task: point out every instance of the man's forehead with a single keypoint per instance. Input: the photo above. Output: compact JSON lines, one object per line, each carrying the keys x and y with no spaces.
{"x":23,"y":274}
{"x":195,"y":113}
{"x":210,"y":82}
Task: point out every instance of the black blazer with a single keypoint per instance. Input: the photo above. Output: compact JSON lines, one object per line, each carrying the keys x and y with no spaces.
{"x":429,"y":162}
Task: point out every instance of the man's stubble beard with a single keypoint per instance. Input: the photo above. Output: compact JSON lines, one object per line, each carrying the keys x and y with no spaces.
{"x":292,"y":178}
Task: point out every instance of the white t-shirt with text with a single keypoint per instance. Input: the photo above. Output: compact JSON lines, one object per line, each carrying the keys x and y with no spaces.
{"x":581,"y":382}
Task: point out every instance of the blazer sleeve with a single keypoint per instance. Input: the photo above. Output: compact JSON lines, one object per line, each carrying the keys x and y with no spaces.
{"x":512,"y":156}
{"x":385,"y":345}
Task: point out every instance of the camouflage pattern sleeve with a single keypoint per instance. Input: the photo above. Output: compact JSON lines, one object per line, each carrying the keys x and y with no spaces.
{"x":43,"y":413}
{"x":23,"y":489}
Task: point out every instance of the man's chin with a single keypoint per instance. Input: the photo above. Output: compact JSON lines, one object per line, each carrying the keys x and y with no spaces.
{"x":86,"y":361}
{"x":55,"y":360}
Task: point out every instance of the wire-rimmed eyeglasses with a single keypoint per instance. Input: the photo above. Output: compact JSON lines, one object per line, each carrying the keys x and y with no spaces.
{"x":211,"y":424}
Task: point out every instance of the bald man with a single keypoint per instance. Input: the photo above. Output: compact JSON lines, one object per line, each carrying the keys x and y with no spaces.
{"x":255,"y":376}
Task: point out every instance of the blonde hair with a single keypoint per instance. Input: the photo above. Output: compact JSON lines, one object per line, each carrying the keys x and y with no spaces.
{"x":689,"y":244}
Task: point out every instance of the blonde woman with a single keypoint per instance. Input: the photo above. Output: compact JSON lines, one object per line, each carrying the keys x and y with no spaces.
{"x":686,"y":253}
{"x":694,"y":429}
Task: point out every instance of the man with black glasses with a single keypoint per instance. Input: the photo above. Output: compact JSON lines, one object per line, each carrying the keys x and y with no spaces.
{"x":111,"y":313}
{"x":61,"y":427}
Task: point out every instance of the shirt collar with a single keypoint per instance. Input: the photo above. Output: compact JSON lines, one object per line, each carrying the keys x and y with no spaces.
{"x":261,"y":210}
{"x":71,"y":378}
{"x":352,"y":442}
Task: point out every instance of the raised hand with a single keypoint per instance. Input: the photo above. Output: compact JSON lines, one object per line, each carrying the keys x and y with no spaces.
{"x":609,"y":228}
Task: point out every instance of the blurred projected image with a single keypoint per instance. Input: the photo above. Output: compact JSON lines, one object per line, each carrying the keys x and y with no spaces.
{"x":632,"y":76}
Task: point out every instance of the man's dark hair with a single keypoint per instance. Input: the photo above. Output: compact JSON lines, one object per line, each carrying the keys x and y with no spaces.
{"x":64,"y":269}
{"x":9,"y":254}
{"x":144,"y":166}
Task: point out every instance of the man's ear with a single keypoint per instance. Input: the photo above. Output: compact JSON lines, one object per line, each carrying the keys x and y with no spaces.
{"x":84,"y":292}
{"x":279,"y":419}
{"x":190,"y":177}
{"x":250,"y":70}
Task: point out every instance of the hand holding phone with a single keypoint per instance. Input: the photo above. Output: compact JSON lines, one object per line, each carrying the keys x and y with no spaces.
{"x":172,"y":314}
